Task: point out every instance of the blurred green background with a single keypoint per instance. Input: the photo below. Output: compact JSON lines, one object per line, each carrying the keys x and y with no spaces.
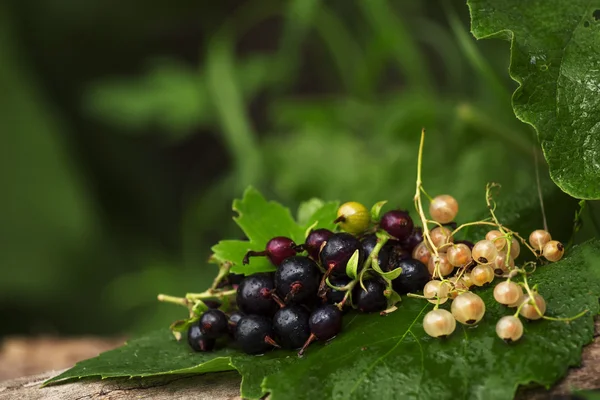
{"x":127,"y":128}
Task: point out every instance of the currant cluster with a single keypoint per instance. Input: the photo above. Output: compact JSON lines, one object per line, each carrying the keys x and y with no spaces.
{"x":305,"y":298}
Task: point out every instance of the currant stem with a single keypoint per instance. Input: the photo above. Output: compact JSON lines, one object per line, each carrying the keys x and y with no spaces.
{"x":223,"y":272}
{"x":210,"y":294}
{"x":174,"y":300}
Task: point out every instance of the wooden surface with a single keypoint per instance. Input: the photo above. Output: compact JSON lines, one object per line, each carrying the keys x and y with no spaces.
{"x":216,"y":386}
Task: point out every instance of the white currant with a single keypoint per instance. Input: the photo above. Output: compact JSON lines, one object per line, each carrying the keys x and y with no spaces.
{"x":553,"y":250}
{"x":443,"y":208}
{"x":421,"y":253}
{"x":444,"y":267}
{"x":539,"y":238}
{"x":499,"y":263}
{"x":528,"y":309}
{"x":507,"y":293}
{"x":435,"y":290}
{"x":459,"y":254}
{"x":484,"y":252}
{"x":496,"y":237}
{"x":482,"y":274}
{"x":468,"y":308}
{"x":515,"y":248}
{"x":439,"y":323}
{"x":509,"y":328}
{"x":441,"y":236}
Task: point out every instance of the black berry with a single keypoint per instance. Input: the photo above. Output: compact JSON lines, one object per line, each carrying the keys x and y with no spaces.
{"x":325,"y":322}
{"x":372,"y":299}
{"x":213,"y":324}
{"x":397,"y":223}
{"x":234,"y":318}
{"x":297,"y":280}
{"x":414,"y":239}
{"x":315,"y":240}
{"x":197,"y":341}
{"x":337,"y":252}
{"x":291,"y":326}
{"x":368,"y":244}
{"x":254,"y":333}
{"x":413,"y":278}
{"x":254,"y":295}
{"x":277,"y":249}
{"x":397,"y":253}
{"x":336,"y":296}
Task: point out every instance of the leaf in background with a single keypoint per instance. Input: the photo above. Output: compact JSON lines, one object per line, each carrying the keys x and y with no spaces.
{"x":392,"y":357}
{"x":555,"y":57}
{"x":261,"y":220}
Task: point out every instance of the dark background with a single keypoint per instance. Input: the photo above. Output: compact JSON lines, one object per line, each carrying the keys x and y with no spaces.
{"x":127,"y":128}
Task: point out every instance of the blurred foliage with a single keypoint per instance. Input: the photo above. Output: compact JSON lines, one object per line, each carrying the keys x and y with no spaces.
{"x":128,"y":128}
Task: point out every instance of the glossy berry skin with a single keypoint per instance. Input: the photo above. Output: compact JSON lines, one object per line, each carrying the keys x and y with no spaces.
{"x":338,"y":250}
{"x":353,"y":217}
{"x":277,"y":249}
{"x":197,"y":341}
{"x":291,"y":326}
{"x":253,"y":334}
{"x":335,"y":296}
{"x":325,"y":322}
{"x":234,"y":318}
{"x":315,"y":240}
{"x":213,"y":324}
{"x":397,"y":223}
{"x":469,"y":244}
{"x":397,"y":254}
{"x":372,"y":299}
{"x":414,"y":239}
{"x":368,"y":244}
{"x":297,"y":280}
{"x":413,"y":278}
{"x":254,"y":295}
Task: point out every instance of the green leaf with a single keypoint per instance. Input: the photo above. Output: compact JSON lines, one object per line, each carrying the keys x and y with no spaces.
{"x":376,"y":210}
{"x":261,"y":220}
{"x":554,"y":58}
{"x":352,"y":266}
{"x":392,"y":357}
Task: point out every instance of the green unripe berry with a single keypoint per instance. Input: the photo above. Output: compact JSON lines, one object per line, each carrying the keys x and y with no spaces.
{"x":353,"y":217}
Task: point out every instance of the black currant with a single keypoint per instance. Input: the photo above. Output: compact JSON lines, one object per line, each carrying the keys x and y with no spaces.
{"x":291,"y":326}
{"x":213,"y":324}
{"x":414,"y":239}
{"x":368,"y":244}
{"x":337,"y":252}
{"x":315,"y":240}
{"x":413,"y":278}
{"x":325,"y":323}
{"x":234,"y":318}
{"x":372,"y":299}
{"x":336,"y":296}
{"x":254,"y":295}
{"x":297,"y":280}
{"x":277,"y":249}
{"x":397,"y":223}
{"x":397,"y":253}
{"x":212,"y":303}
{"x":254,"y":333}
{"x":197,"y":341}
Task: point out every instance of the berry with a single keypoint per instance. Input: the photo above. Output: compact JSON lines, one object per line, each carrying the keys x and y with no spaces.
{"x":482,"y":274}
{"x":338,"y":250}
{"x":459,"y":255}
{"x":278,"y":249}
{"x":197,"y":341}
{"x":439,"y":323}
{"x":297,"y":280}
{"x":353,"y":217}
{"x":325,"y":323}
{"x":291,"y":326}
{"x":254,"y":333}
{"x":413,"y":278}
{"x":254,"y":295}
{"x":368,"y":244}
{"x":213,"y":324}
{"x":509,"y":328}
{"x":484,"y":252}
{"x":397,"y":255}
{"x":397,"y":223}
{"x":528,"y":309}
{"x":212,"y":303}
{"x":469,"y":244}
{"x":499,"y":263}
{"x":539,"y":238}
{"x":496,"y":237}
{"x":443,"y":208}
{"x":468,"y":308}
{"x":507,"y":292}
{"x":372,"y":299}
{"x":441,"y":236}
{"x":444,"y":266}
{"x":434,"y":290}
{"x":553,"y":250}
{"x":234,"y":318}
{"x":315,"y":240}
{"x":515,"y":248}
{"x":458,"y":284}
{"x":414,"y":239}
{"x":421,"y":253}
{"x":336,"y":296}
